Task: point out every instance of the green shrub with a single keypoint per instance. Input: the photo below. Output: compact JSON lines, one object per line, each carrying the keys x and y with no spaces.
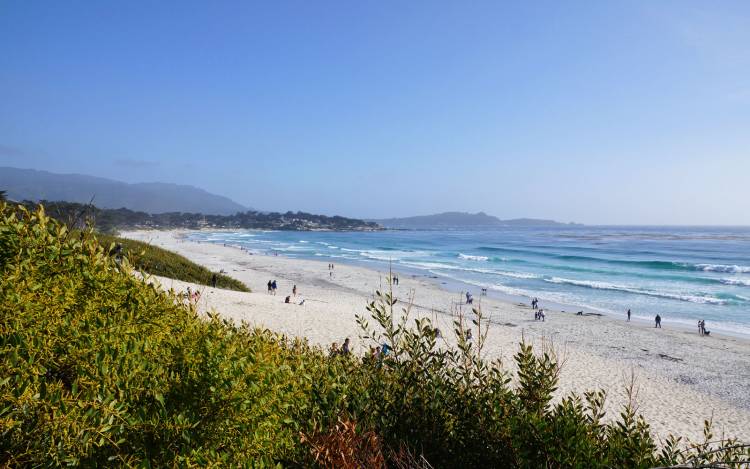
{"x":101,"y":368}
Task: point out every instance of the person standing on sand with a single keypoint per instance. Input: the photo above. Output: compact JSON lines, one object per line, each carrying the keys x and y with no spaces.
{"x":657,"y":319}
{"x":628,"y":315}
{"x":294,"y":290}
{"x":213,"y":280}
{"x":273,"y":287}
{"x":345,"y":348}
{"x":270,"y":287}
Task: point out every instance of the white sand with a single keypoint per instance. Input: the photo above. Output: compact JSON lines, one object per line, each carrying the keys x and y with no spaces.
{"x":683,"y":379}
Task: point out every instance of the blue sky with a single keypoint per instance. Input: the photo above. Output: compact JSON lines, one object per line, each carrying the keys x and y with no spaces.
{"x":597,"y":112}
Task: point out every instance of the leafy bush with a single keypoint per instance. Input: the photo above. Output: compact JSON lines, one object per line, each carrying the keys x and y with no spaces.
{"x":100,"y":368}
{"x":158,"y":261}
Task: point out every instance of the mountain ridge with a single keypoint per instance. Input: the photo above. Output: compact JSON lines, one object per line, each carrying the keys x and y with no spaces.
{"x":463,"y":219}
{"x":149,"y":197}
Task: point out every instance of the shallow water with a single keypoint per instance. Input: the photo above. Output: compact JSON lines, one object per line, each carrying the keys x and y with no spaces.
{"x":682,"y":273}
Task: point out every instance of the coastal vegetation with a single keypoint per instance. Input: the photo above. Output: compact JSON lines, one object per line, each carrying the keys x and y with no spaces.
{"x":157,"y":261}
{"x":100,"y":368}
{"x":110,"y":220}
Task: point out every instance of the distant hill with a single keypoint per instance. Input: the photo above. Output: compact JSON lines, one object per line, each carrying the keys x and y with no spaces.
{"x":153,"y":197}
{"x":460,"y":220}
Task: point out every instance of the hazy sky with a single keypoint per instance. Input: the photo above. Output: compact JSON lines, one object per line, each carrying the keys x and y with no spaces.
{"x":596,"y":112}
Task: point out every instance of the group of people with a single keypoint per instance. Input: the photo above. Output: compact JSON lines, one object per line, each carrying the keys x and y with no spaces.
{"x":272,"y":287}
{"x":538,"y":312}
{"x":469,"y":298}
{"x":394,"y":279}
{"x":344,"y":350}
{"x":288,"y":298}
{"x":376,"y":353}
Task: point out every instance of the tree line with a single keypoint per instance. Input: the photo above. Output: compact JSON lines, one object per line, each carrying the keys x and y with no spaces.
{"x":77,"y":215}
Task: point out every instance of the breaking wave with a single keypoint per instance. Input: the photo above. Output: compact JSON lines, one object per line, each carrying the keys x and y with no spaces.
{"x":702,"y":299}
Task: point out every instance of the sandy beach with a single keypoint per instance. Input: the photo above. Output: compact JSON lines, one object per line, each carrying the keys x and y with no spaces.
{"x":682,"y":378}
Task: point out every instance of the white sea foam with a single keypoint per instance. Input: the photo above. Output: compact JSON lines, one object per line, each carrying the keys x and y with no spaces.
{"x":328,"y":245}
{"x":391,"y":255}
{"x":736,"y":281}
{"x":523,"y":275}
{"x":627,"y":289}
{"x":290,"y":248}
{"x":470,"y":257}
{"x":432,"y":265}
{"x":731,"y":269}
{"x":492,"y":286}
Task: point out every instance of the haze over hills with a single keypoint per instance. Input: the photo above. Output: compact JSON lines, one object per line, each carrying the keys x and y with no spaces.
{"x":461,"y":219}
{"x":153,"y":197}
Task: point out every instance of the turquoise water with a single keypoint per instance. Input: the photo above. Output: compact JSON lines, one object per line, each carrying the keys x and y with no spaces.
{"x":684,"y":274}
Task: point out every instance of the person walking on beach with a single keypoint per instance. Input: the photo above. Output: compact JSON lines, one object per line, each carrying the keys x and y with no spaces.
{"x":701,"y":327}
{"x":213,"y":280}
{"x":628,"y":315}
{"x":294,"y":290}
{"x":270,"y":287}
{"x":657,"y":319}
{"x":273,"y":287}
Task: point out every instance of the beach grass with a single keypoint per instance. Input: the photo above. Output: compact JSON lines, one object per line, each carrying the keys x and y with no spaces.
{"x":157,"y":261}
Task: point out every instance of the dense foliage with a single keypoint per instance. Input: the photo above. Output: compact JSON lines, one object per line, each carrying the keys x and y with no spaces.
{"x":99,"y":368}
{"x":109,"y":220}
{"x":157,"y":261}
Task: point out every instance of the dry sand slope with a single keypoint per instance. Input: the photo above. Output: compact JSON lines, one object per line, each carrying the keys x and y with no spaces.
{"x":682,"y":378}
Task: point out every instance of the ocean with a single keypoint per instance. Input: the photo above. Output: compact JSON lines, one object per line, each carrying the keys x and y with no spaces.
{"x":682,"y":273}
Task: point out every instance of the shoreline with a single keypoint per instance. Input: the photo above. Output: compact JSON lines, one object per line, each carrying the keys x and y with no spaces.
{"x":683,"y":378}
{"x":453,"y":285}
